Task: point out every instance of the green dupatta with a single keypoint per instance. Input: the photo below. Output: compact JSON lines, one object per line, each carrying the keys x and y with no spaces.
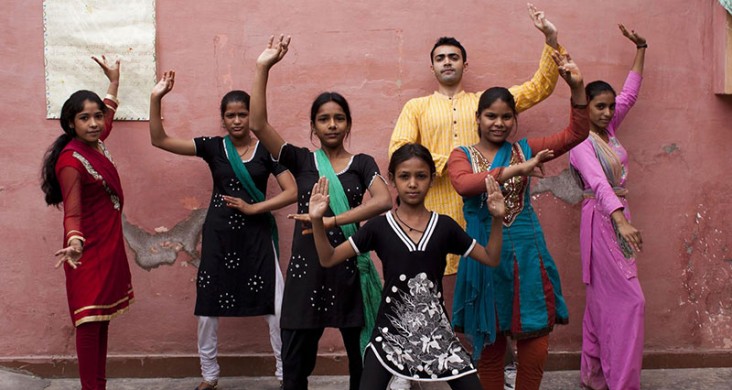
{"x":241,"y":172}
{"x":369,"y":278}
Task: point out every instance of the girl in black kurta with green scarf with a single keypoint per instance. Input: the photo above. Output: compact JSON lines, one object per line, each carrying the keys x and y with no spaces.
{"x":316,"y":298}
{"x":239,"y":273}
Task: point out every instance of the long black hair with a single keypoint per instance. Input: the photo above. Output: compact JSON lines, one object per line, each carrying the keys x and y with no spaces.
{"x":73,"y":105}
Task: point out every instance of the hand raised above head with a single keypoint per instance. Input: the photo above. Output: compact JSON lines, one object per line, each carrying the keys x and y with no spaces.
{"x":568,"y":69}
{"x":111,"y":71}
{"x":633,"y":36}
{"x":275,"y":51}
{"x":542,"y":23}
{"x":164,"y":85}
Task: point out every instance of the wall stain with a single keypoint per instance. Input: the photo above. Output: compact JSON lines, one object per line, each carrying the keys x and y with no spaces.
{"x":152,"y":250}
{"x":563,"y":186}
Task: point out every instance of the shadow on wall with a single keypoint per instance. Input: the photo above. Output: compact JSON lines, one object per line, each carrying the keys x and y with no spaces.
{"x":155,"y":249}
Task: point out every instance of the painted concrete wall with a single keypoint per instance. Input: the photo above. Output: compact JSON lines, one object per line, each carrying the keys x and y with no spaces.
{"x":376,"y":54}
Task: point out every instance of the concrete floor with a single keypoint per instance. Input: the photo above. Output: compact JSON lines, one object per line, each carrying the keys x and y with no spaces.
{"x":677,"y":379}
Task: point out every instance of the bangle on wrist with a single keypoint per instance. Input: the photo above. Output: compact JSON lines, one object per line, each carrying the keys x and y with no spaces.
{"x":642,"y":46}
{"x":575,"y":105}
{"x":335,"y":222}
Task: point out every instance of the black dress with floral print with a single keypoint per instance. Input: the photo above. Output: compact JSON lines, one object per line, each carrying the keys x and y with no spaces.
{"x":413,"y":338}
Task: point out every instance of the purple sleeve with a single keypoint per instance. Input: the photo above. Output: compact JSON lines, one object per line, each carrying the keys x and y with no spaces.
{"x":625,"y":100}
{"x":583,"y":159}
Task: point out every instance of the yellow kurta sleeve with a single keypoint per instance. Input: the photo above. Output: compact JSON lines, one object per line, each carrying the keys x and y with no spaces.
{"x":406,"y":129}
{"x":541,"y":85}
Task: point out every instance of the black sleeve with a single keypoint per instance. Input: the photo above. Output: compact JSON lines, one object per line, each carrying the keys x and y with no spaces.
{"x":368,"y":170}
{"x":293,"y":157}
{"x":459,"y":242}
{"x":364,"y":241}
{"x":206,"y":146}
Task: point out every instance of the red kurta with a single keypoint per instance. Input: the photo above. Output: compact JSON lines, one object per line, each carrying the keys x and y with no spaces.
{"x":100,"y":288}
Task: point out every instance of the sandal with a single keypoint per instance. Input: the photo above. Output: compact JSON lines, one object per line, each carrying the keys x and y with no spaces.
{"x":206,"y":385}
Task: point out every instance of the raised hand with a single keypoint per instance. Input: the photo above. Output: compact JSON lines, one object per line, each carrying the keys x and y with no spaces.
{"x":319,"y":199}
{"x":275,"y":51}
{"x":495,"y":202}
{"x":164,"y":85}
{"x":633,"y":36}
{"x":240,"y":205}
{"x":71,"y":254}
{"x":543,"y":24}
{"x":568,"y":69}
{"x":111,"y":71}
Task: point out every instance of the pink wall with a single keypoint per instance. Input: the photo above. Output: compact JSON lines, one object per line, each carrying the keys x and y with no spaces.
{"x":376,"y":54}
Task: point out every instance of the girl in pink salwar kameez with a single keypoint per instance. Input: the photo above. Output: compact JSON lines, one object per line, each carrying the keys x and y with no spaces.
{"x":612,"y":327}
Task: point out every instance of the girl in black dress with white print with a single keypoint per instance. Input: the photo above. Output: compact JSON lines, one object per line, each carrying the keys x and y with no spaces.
{"x":412,"y":338}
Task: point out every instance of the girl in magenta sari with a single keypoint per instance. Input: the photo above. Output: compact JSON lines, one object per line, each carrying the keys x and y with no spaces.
{"x":612,"y":327}
{"x":78,"y":171}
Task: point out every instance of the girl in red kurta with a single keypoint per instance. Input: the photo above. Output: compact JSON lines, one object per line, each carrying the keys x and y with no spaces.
{"x":78,"y":171}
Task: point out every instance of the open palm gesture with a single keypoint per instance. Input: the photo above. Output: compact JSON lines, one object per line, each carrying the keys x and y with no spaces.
{"x":319,"y":199}
{"x":110,"y":70}
{"x":275,"y":51}
{"x":496,"y":204}
{"x":632,"y":35}
{"x":164,"y":85}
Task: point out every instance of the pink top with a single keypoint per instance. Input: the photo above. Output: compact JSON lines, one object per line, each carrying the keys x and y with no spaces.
{"x":605,"y":200}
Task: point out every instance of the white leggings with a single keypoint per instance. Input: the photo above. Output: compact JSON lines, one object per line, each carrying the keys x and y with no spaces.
{"x":208,"y":335}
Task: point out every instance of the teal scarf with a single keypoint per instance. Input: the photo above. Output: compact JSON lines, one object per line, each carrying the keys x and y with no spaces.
{"x":241,"y":172}
{"x":369,"y":278}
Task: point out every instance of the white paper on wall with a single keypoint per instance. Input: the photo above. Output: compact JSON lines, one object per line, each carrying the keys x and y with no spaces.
{"x":74,"y":30}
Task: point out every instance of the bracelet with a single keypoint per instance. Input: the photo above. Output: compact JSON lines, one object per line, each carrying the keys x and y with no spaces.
{"x":642,"y":46}
{"x":335,"y":222}
{"x":580,"y":106}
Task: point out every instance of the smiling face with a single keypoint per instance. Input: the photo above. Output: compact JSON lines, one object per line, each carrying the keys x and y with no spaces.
{"x":602,"y":109}
{"x":412,"y":179}
{"x":496,"y":122}
{"x":236,"y":120}
{"x":330,"y":125}
{"x":88,"y":124}
{"x":448,"y":65}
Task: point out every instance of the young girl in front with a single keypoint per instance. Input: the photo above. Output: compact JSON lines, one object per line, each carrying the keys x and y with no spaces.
{"x":343,"y":297}
{"x":412,"y":338}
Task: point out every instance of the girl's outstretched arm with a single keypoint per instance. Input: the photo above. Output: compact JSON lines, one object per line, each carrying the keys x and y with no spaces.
{"x":328,"y":255}
{"x":158,"y":137}
{"x":258,"y":122}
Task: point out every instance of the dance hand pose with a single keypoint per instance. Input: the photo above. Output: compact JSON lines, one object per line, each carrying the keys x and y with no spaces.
{"x":412,"y":338}
{"x":615,"y":302}
{"x":527,"y":269}
{"x":240,"y":241}
{"x":344,"y":297}
{"x":78,"y":171}
{"x":72,"y":252}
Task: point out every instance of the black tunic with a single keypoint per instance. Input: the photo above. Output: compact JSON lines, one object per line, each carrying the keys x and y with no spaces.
{"x":236,"y":276}
{"x":317,"y":297}
{"x":412,"y":337}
